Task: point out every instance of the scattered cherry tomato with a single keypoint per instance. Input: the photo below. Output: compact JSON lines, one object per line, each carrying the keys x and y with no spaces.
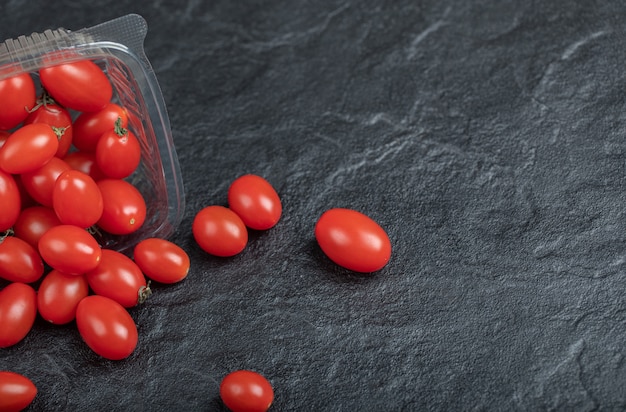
{"x":17,"y":392}
{"x":119,"y":278}
{"x":118,"y":152}
{"x":255,"y":201}
{"x":89,"y":127}
{"x":19,"y":261}
{"x":246,"y":391}
{"x":353,"y":240}
{"x":76,"y":199}
{"x":39,"y":183}
{"x":17,"y":96}
{"x":106,"y":327}
{"x":161,"y":260}
{"x":33,"y":222}
{"x":219,"y":231}
{"x":124,"y":207}
{"x":10,"y":201}
{"x":18,"y":310}
{"x":80,"y":85}
{"x":58,"y":296}
{"x":58,"y":118}
{"x":28,"y":148}
{"x":70,"y":249}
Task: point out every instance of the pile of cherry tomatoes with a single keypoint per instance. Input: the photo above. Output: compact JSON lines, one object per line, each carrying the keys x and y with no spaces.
{"x":66,"y":150}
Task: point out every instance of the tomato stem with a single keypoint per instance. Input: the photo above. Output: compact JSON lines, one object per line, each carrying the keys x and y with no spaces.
{"x":6,"y":234}
{"x":144,"y":293}
{"x":44,"y":100}
{"x":120,"y":130}
{"x":59,"y":131}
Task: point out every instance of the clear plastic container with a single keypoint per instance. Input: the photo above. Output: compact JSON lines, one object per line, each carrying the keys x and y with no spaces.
{"x":117,"y":47}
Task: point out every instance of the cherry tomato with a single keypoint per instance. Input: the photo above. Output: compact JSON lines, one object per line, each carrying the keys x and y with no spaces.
{"x":39,"y":183}
{"x":58,"y":296}
{"x":353,"y":240}
{"x":161,"y":260}
{"x":80,"y":85}
{"x":17,"y":392}
{"x":19,"y":261}
{"x":58,"y":118}
{"x":86,"y":163}
{"x":18,"y":310}
{"x":17,"y":95}
{"x":88,"y":127}
{"x":10,"y":201}
{"x":4,"y":135}
{"x":124,"y":207}
{"x":246,"y":391}
{"x":219,"y":231}
{"x":70,"y":249}
{"x":118,"y":152}
{"x":117,"y":277}
{"x":255,"y":201}
{"x":33,"y":222}
{"x":106,"y":327}
{"x":76,"y":199}
{"x":28,"y":148}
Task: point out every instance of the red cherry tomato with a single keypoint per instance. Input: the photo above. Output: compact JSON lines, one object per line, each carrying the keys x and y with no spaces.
{"x":246,"y":391}
{"x":86,"y":163}
{"x":10,"y":201}
{"x":18,"y":310}
{"x":17,"y":392}
{"x":117,"y":277}
{"x":161,"y":260}
{"x":58,"y":296}
{"x":219,"y":231}
{"x":19,"y":261}
{"x":28,"y":148}
{"x":106,"y":327}
{"x":58,"y":118}
{"x":255,"y":201}
{"x":80,"y":85}
{"x":76,"y":199}
{"x":70,"y":249}
{"x":118,"y":152}
{"x":124,"y":207}
{"x":4,"y":135}
{"x":17,"y":96}
{"x":39,"y":184}
{"x":33,"y":222}
{"x":88,"y":127}
{"x":353,"y":240}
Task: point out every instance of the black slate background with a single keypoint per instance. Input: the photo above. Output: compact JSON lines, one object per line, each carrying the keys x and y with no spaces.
{"x":486,"y":137}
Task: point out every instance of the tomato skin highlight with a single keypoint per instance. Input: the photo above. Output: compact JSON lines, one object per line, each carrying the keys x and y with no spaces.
{"x":19,"y":261}
{"x":119,"y":278}
{"x":17,"y":392}
{"x":124,"y":207}
{"x":18,"y":310}
{"x":106,"y":327}
{"x":89,"y":127}
{"x":353,"y":240}
{"x":246,"y":391}
{"x":76,"y":199}
{"x":256,"y":202}
{"x":17,"y":95}
{"x":58,"y":296}
{"x":10,"y":201}
{"x":28,"y":148}
{"x":79,"y":85}
{"x":70,"y":249}
{"x":219,"y":231}
{"x":161,"y":260}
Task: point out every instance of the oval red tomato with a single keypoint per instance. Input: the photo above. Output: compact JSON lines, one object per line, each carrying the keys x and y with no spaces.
{"x":161,"y":260}
{"x":17,"y":392}
{"x":89,"y":127}
{"x":33,"y":222}
{"x":17,"y":96}
{"x":353,"y":240}
{"x":119,"y":278}
{"x":28,"y":148}
{"x":58,"y":118}
{"x":19,"y":261}
{"x":124,"y":207}
{"x":118,"y":152}
{"x":106,"y":327}
{"x":58,"y":296}
{"x":86,"y":163}
{"x":256,"y":202}
{"x":18,"y":310}
{"x":80,"y":85}
{"x":39,"y":183}
{"x":246,"y":391}
{"x":70,"y":249}
{"x":10,"y":201}
{"x":76,"y":199}
{"x":219,"y":231}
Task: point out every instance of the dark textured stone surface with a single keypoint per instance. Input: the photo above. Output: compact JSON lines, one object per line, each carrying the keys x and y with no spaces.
{"x":487,"y":137}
